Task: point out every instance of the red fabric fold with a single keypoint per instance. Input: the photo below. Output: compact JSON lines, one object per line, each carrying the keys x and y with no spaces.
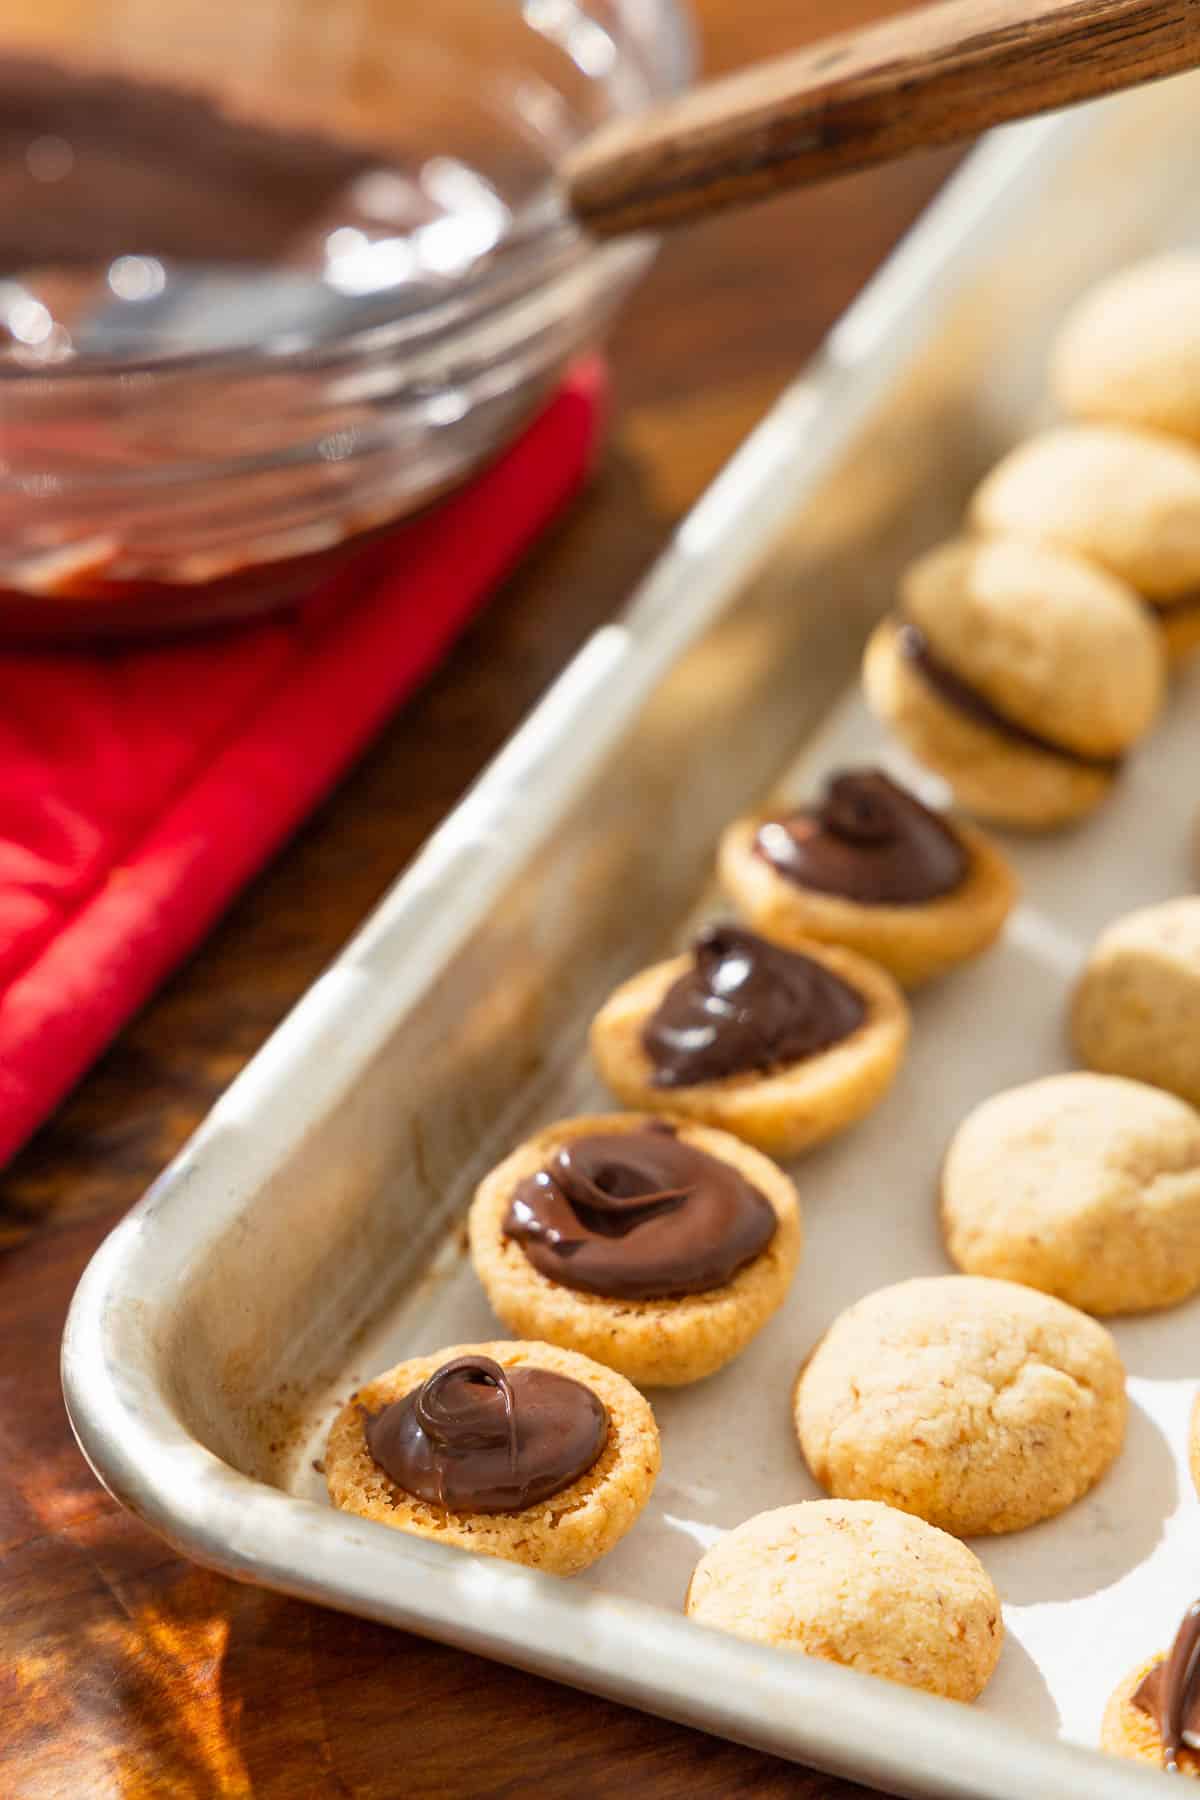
{"x":139,"y":791}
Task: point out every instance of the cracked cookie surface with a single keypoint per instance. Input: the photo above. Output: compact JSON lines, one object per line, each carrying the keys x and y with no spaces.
{"x":859,"y":1584}
{"x":1136,"y":1009}
{"x":979,"y":1405}
{"x":1085,"y":1186}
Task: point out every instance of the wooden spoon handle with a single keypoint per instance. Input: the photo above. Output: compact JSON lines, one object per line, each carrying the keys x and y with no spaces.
{"x":927,"y":77}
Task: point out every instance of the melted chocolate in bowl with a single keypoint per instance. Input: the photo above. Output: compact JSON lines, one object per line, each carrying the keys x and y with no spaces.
{"x":145,"y":220}
{"x":142,"y":222}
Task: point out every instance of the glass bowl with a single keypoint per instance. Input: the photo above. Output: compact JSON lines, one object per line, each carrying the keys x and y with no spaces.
{"x":276,"y":275}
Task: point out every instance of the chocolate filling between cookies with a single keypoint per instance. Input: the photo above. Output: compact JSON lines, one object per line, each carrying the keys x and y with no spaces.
{"x":915,"y":648}
{"x":868,"y":841}
{"x":639,"y":1215}
{"x":1170,"y":1693}
{"x":1164,"y":610}
{"x":746,"y":1007}
{"x":479,"y":1438}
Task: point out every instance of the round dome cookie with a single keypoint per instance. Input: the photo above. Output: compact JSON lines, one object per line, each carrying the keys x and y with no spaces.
{"x":1126,"y":500}
{"x":978,"y":1405}
{"x":781,"y":1047}
{"x":871,"y":868}
{"x":521,"y":1451}
{"x":1020,"y":673}
{"x":1130,"y":349}
{"x":1153,"y":1715}
{"x":1136,"y":1008}
{"x":860,"y":1584}
{"x":658,"y":1249}
{"x":1085,"y":1186}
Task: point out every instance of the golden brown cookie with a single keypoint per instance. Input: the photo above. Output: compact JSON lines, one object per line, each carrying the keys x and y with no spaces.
{"x":859,"y":1584}
{"x":560,"y":1535}
{"x":653,"y":1341}
{"x":978,"y":1405}
{"x":1129,"y":1732}
{"x":1136,"y":1009}
{"x":1154,"y":1715}
{"x":1127,"y":500}
{"x":1085,"y":1186}
{"x":1020,"y":673}
{"x":791,"y":1103}
{"x":921,"y":892}
{"x":1130,"y":349}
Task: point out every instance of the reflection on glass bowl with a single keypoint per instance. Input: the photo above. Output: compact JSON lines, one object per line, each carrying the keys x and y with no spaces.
{"x":262,"y":294}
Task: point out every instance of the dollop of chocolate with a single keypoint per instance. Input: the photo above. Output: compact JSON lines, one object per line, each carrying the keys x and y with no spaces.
{"x":1170,"y":1694}
{"x":916,"y":649}
{"x":869,"y":841}
{"x":479,"y":1438}
{"x":746,"y":1005}
{"x":639,"y":1215}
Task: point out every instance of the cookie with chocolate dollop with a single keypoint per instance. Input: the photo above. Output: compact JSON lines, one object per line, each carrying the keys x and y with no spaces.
{"x":518,"y":1450}
{"x":1020,"y":673}
{"x":784,"y":1047}
{"x":1154,"y":1715}
{"x":870,"y":866}
{"x":659,"y":1248}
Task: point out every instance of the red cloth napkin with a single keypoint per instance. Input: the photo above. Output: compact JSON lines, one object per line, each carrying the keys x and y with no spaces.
{"x":140,"y":791}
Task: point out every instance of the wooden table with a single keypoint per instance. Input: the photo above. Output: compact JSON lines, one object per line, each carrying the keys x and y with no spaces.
{"x":125,"y":1671}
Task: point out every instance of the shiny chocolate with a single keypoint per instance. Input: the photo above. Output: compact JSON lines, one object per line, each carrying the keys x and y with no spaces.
{"x":478,"y":1438}
{"x":869,"y":841}
{"x":639,"y":1215}
{"x":915,"y":648}
{"x":746,"y":1006}
{"x":160,"y":168}
{"x":1170,"y":1693}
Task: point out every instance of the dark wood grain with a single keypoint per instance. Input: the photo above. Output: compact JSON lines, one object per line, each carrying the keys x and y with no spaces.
{"x":126,"y":1674}
{"x":933,"y":76}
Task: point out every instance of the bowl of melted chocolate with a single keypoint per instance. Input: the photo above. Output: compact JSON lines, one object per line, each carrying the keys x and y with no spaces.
{"x":274,"y":277}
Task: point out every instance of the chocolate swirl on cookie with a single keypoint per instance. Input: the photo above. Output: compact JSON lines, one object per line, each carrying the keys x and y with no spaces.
{"x":869,"y":841}
{"x":479,"y":1438}
{"x":915,"y":648}
{"x":1170,"y":1694}
{"x":639,"y":1215}
{"x":746,"y":1006}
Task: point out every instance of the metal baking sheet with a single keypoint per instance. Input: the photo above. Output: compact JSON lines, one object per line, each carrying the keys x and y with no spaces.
{"x":309,"y":1234}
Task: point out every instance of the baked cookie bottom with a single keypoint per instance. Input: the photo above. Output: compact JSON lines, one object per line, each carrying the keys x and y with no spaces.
{"x":782,"y":1111}
{"x":561,"y":1535}
{"x":655,"y":1343}
{"x":914,"y":943}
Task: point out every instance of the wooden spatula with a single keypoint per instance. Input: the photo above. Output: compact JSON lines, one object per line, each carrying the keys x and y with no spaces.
{"x":928,"y":77}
